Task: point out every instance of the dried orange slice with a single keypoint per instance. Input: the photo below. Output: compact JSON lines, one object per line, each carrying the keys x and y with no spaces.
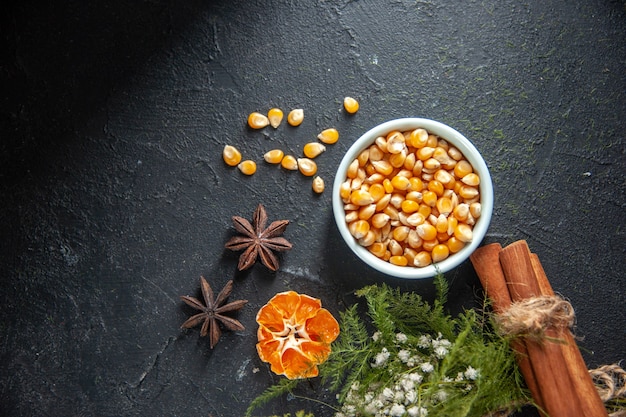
{"x":295,"y":334}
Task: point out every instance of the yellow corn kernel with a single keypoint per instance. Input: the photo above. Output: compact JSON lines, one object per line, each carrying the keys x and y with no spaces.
{"x":444,"y":206}
{"x":378,"y":249}
{"x":429,"y":198}
{"x":344,"y":190}
{"x":307,"y":166}
{"x":414,"y":196}
{"x":409,"y":254}
{"x":359,"y":228}
{"x":275,"y":116}
{"x":424,"y":210}
{"x":363,"y":157}
{"x":289,"y":162}
{"x":461,"y":211}
{"x":418,"y":138}
{"x":422,"y":259}
{"x":433,"y":141}
{"x":231,"y":155}
{"x":379,"y":220}
{"x":351,"y":216}
{"x":452,"y":224}
{"x":442,"y":224}
{"x":416,"y":184}
{"x":415,"y":219}
{"x":409,"y":161}
{"x":444,"y":176}
{"x":475,"y":210}
{"x":257,"y":120}
{"x":468,"y":192}
{"x":395,"y":142}
{"x":387,"y":185}
{"x":410,"y":206}
{"x":361,"y":198}
{"x":365,"y":212}
{"x":436,"y":187}
{"x":351,"y":105}
{"x":462,"y":168}
{"x":313,"y":149}
{"x":368,"y":239}
{"x":463,"y":232}
{"x":426,"y":231}
{"x":275,"y":156}
{"x":397,"y":159}
{"x":400,"y":183}
{"x":248,"y":167}
{"x":383,"y":202}
{"x":382,"y":167}
{"x":471,"y":179}
{"x":401,"y":233}
{"x":443,"y":237}
{"x":440,"y":252}
{"x":392,"y":212}
{"x":318,"y":185}
{"x":377,"y":191}
{"x":425,"y":153}
{"x":414,"y":240}
{"x":329,"y":136}
{"x":431,"y":165}
{"x":455,"y":153}
{"x":454,"y":244}
{"x":295,"y":117}
{"x":395,"y":248}
{"x":396,"y":200}
{"x":399,"y":260}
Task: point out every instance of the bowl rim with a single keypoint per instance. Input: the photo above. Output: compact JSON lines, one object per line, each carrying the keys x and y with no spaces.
{"x":471,"y":154}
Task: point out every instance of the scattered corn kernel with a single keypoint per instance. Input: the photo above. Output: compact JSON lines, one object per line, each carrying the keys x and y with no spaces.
{"x":318,"y":185}
{"x":257,"y":120}
{"x":307,"y":166}
{"x":275,"y":156}
{"x":351,"y":105}
{"x":289,"y":162}
{"x":231,"y":155}
{"x":295,"y":117}
{"x":275,"y":116}
{"x":329,"y":136}
{"x":313,"y":149}
{"x":248,"y":167}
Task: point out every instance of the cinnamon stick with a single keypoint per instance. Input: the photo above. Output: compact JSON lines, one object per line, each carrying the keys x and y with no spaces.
{"x":591,"y":403}
{"x":546,"y":358}
{"x":486,"y":262}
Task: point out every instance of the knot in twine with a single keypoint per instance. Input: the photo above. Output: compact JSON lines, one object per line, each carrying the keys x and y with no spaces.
{"x":533,"y":316}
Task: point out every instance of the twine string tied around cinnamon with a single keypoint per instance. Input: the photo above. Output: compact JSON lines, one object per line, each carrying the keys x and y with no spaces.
{"x":533,"y":316}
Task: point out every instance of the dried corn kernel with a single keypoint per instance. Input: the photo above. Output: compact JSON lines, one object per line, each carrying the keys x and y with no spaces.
{"x":313,"y":149}
{"x":289,"y":162}
{"x":248,"y":167}
{"x":295,"y":117}
{"x":257,"y":120}
{"x":351,"y":105}
{"x":329,"y":136}
{"x":359,"y":228}
{"x":422,"y":258}
{"x":275,"y":116}
{"x":307,"y":166}
{"x":318,"y":185}
{"x":231,"y":155}
{"x":361,"y":198}
{"x":275,"y":156}
{"x":399,"y":260}
{"x":440,"y":252}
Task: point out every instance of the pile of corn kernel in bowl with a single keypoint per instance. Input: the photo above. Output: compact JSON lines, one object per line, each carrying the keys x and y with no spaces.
{"x":411,"y":198}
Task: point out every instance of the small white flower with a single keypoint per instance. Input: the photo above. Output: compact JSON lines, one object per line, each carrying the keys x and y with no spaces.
{"x":376,"y":336}
{"x":471,"y":373}
{"x":424,"y":341}
{"x":368,"y":397}
{"x":459,"y":377}
{"x":355,"y":386}
{"x":415,"y":377}
{"x":407,"y":383}
{"x":404,"y":355}
{"x":401,"y":338}
{"x":410,"y":397}
{"x":350,"y":410}
{"x":381,"y":358}
{"x":417,"y":411}
{"x":440,"y":396}
{"x":397,"y":410}
{"x":399,"y":396}
{"x":427,"y":367}
{"x":388,"y":394}
{"x":441,"y":352}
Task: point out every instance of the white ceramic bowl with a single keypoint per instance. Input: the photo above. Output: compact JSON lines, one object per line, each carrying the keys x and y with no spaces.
{"x":471,"y":154}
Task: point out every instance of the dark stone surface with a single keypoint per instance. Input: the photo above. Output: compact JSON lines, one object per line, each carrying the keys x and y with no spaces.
{"x":115,"y":198}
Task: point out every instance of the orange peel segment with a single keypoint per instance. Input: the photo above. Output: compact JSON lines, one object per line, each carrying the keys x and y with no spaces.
{"x":295,"y":334}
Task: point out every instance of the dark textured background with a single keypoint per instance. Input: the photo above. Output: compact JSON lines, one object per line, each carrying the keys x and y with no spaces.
{"x":115,"y":199}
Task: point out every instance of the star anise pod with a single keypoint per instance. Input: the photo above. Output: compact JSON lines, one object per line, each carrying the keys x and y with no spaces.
{"x":258,"y":241}
{"x":212,"y":311}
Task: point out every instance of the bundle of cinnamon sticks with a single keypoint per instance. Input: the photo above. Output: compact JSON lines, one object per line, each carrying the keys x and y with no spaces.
{"x":554,"y":370}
